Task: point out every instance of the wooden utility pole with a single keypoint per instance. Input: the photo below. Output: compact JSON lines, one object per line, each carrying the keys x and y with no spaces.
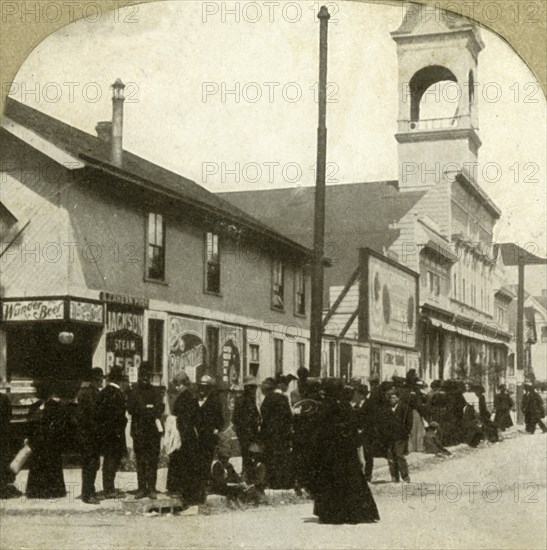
{"x":520,"y":315}
{"x":316,"y":323}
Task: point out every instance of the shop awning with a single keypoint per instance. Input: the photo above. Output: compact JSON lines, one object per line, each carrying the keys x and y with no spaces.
{"x":446,"y":326}
{"x":483,"y":333}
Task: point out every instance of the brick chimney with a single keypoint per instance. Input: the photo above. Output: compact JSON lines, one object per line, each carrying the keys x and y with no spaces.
{"x":104,"y":131}
{"x":117,"y":122}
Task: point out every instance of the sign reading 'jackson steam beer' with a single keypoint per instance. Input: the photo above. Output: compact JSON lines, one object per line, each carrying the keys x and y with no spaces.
{"x":124,"y":330}
{"x":389,"y":294}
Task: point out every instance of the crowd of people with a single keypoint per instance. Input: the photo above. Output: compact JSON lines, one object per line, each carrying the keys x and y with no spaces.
{"x":322,"y":437}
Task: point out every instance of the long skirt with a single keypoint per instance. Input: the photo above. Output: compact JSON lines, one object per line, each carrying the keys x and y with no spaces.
{"x":342,"y":494}
{"x":279,"y":466}
{"x":503,"y":419}
{"x":185,"y":476}
{"x":344,"y":504}
{"x":45,"y":476}
{"x":416,"y":439}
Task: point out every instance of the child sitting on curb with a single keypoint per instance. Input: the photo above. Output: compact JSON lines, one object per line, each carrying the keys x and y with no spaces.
{"x":432,"y":443}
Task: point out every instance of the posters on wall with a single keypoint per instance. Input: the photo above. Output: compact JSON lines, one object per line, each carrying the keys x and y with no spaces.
{"x":393,"y":363}
{"x":187,"y":341}
{"x":124,"y":339}
{"x":361,"y":362}
{"x":391,"y":294}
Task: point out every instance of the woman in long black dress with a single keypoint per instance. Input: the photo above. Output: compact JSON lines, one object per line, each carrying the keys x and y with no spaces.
{"x":340,"y":491}
{"x":47,"y":432}
{"x":186,"y":462}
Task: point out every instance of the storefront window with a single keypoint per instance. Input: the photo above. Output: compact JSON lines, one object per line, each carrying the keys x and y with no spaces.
{"x":155,"y":348}
{"x":254,"y":359}
{"x":278,"y":351}
{"x":301,"y":354}
{"x":212,"y":263}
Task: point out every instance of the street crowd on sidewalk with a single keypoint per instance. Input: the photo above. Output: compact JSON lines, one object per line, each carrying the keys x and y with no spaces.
{"x":321,"y":438}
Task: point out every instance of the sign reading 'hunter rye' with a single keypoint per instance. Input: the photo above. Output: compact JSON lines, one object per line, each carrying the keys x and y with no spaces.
{"x":33,"y":310}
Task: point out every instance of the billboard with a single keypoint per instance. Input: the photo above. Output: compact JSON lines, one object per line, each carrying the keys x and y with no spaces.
{"x":388,"y":300}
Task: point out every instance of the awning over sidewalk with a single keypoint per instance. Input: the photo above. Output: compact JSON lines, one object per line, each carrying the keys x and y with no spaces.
{"x":479,"y":331}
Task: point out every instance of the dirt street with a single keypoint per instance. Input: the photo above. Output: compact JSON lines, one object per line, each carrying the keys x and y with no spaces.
{"x":494,"y":497}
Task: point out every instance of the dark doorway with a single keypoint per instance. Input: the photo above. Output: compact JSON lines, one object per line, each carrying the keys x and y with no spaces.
{"x":346,"y":361}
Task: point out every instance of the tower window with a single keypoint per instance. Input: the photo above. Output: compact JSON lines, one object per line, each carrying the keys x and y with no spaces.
{"x":471,"y":85}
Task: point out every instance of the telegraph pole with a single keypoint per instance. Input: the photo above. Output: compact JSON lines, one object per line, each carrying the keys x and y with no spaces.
{"x":520,"y":315}
{"x":316,"y":324}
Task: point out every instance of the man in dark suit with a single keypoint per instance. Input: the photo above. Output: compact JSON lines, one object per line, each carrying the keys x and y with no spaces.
{"x":211,"y":422}
{"x":399,"y":426}
{"x":246,"y":420}
{"x":88,"y":437}
{"x":145,"y":405}
{"x":5,"y":453}
{"x":111,"y":423}
{"x":533,"y":409}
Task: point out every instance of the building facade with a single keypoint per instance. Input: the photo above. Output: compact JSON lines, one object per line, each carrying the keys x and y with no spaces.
{"x":435,"y":220}
{"x":108,"y":259}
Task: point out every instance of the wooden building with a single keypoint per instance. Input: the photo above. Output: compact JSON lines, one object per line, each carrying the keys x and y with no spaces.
{"x":110,"y":259}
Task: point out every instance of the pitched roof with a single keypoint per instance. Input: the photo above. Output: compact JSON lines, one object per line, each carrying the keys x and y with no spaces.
{"x":363,"y":209}
{"x":511,"y":253}
{"x":357,"y":215}
{"x":91,"y":148}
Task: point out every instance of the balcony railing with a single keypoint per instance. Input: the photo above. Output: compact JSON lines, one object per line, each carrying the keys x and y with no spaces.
{"x":433,"y":123}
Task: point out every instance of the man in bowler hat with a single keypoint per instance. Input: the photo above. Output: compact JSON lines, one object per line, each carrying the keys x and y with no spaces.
{"x":145,"y":405}
{"x":88,"y":437}
{"x":246,"y":420}
{"x":111,"y":423}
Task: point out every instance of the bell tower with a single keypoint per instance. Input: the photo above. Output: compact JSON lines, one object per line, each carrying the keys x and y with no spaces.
{"x":436,"y":47}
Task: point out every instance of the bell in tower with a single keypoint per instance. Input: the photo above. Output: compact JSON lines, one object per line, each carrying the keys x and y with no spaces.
{"x":436,"y":48}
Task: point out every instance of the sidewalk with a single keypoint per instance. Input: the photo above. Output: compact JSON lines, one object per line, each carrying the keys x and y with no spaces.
{"x":127,"y":483}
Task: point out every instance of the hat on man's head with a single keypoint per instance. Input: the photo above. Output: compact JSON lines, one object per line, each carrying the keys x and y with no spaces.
{"x":181,"y":379}
{"x":145,"y":369}
{"x":289,"y":378}
{"x":250,"y":380}
{"x":206,"y":380}
{"x":302,"y":373}
{"x":268,"y":383}
{"x":96,"y":373}
{"x":116,"y":374}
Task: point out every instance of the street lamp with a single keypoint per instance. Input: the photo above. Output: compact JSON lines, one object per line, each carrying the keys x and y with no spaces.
{"x":66,"y":337}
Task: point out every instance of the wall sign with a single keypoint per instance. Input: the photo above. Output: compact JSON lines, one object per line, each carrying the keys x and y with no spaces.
{"x":186,"y":348}
{"x":388,"y":301}
{"x":33,"y":310}
{"x":124,"y":330}
{"x":86,"y":312}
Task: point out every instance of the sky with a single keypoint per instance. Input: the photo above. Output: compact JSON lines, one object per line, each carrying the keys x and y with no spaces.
{"x":224,"y":93}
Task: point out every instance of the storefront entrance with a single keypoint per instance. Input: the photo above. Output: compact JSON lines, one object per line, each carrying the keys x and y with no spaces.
{"x":34,"y":352}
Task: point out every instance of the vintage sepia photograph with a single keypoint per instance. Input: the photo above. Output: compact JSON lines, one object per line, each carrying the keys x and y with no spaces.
{"x":273,"y":275}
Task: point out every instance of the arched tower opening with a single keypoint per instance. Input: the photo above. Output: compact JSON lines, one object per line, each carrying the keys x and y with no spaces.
{"x":430,"y":93}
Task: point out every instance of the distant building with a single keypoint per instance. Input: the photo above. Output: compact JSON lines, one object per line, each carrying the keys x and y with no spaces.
{"x":435,"y":220}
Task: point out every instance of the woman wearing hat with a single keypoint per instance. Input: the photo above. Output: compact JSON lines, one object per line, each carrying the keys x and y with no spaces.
{"x":503,"y":403}
{"x":246,"y":420}
{"x":189,"y":469}
{"x":338,"y":485}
